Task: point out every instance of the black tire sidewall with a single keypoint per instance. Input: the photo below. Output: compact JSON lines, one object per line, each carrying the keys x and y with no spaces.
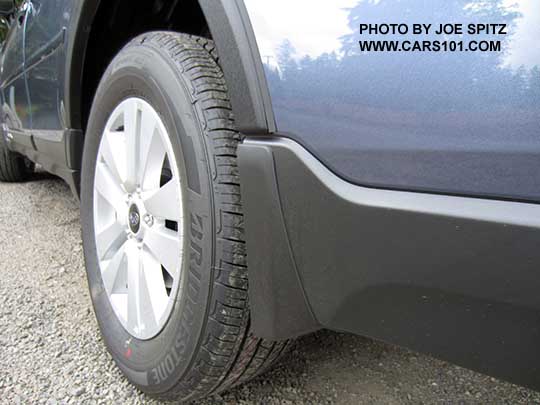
{"x":158,"y":363}
{"x":14,"y":166}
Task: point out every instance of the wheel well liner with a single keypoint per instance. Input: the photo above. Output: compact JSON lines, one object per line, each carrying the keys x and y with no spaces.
{"x":225,"y":21}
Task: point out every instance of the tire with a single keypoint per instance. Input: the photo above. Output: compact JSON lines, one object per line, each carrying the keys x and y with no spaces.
{"x":206,"y":346}
{"x":14,"y":168}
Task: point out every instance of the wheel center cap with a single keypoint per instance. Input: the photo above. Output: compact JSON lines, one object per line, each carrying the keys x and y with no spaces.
{"x":134,"y":219}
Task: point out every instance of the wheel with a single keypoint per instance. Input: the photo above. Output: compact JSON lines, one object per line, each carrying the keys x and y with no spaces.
{"x":13,"y":166}
{"x":163,"y":225}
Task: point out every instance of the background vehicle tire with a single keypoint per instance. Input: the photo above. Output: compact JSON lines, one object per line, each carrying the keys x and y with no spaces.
{"x":206,"y":345}
{"x":13,"y":167}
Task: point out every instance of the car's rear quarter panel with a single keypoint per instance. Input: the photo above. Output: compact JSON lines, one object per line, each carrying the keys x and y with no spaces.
{"x":462,"y":123}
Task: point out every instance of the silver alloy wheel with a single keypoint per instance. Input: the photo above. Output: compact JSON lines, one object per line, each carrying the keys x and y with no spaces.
{"x":138,"y":218}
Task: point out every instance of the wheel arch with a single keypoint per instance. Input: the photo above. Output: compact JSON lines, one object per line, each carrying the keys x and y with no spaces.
{"x":225,"y":21}
{"x":241,"y":62}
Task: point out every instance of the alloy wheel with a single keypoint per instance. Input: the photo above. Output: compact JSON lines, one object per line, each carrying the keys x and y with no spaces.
{"x":138,"y":218}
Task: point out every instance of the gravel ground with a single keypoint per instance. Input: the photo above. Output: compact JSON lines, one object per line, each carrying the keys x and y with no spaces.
{"x":51,"y":351}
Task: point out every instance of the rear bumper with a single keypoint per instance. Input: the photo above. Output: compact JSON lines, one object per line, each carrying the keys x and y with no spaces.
{"x":455,"y":277}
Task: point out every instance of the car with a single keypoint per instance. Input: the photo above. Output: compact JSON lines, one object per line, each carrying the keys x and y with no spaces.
{"x":249,"y":172}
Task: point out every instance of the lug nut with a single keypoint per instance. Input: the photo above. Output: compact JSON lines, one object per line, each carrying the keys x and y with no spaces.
{"x":148,"y":220}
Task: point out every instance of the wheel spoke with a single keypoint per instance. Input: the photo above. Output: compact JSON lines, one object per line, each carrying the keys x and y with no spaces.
{"x":134,"y":279}
{"x":165,"y":203}
{"x":112,"y":150}
{"x":155,"y":283}
{"x":166,"y":248}
{"x":151,"y":147}
{"x":107,"y":185}
{"x":132,"y":128}
{"x":114,"y":272}
{"x":110,"y":239}
{"x":140,"y":314}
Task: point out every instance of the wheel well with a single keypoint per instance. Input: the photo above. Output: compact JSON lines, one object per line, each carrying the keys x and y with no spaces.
{"x":116,"y":22}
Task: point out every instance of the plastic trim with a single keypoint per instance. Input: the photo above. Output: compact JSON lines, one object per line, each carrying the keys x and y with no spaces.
{"x":242,"y":64}
{"x":454,"y":277}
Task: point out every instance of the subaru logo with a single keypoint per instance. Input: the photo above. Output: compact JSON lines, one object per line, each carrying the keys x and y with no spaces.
{"x":134,"y":218}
